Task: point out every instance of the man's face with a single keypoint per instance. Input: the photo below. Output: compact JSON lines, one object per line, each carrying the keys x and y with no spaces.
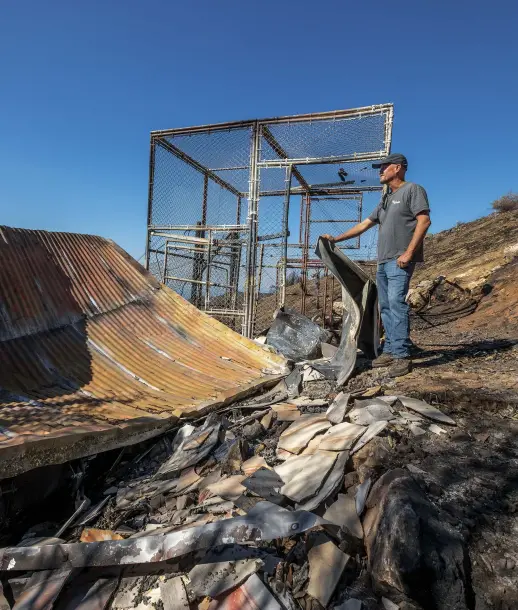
{"x":388,"y":171}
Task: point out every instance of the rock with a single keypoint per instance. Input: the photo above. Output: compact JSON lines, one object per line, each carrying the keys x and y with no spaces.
{"x":253,"y":431}
{"x":412,"y":548}
{"x":412,"y":417}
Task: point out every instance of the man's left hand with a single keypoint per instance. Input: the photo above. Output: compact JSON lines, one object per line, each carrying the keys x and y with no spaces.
{"x":404,"y":260}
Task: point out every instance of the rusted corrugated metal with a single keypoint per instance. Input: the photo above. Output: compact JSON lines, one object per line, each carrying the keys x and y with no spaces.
{"x":95,"y":353}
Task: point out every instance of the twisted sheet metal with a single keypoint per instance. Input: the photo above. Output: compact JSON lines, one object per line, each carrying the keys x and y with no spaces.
{"x":95,"y":353}
{"x":264,"y":522}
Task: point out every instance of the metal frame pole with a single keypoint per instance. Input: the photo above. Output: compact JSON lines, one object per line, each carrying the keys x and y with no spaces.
{"x":252,"y":221}
{"x":204,"y":202}
{"x":207,"y":285}
{"x":235,"y":261}
{"x":259,"y":280}
{"x":305,"y":249}
{"x":285,"y":231}
{"x":324,"y":307}
{"x":150,"y":195}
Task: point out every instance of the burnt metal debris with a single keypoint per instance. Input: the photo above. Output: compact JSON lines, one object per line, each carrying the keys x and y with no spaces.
{"x":97,"y":354}
{"x":208,"y":518}
{"x":360,"y":326}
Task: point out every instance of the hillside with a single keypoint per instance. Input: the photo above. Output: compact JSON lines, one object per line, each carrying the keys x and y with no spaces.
{"x":481,"y":256}
{"x":478,"y":255}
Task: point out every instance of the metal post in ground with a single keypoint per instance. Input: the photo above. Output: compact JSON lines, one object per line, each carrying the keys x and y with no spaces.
{"x":253,"y":203}
{"x":285,"y":235}
{"x":305,"y":255}
{"x":150,"y":195}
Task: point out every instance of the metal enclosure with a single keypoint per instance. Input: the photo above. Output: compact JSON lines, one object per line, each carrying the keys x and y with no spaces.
{"x":235,"y":209}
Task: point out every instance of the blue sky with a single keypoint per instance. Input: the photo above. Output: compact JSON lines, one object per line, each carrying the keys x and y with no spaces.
{"x":83,"y":83}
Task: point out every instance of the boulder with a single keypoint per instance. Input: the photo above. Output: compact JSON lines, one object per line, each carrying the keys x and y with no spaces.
{"x":411,"y":547}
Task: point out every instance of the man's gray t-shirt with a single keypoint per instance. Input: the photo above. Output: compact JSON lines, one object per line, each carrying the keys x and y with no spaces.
{"x":397,"y":219}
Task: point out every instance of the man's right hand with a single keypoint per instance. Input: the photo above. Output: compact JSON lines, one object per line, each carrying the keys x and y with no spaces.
{"x":329,"y":237}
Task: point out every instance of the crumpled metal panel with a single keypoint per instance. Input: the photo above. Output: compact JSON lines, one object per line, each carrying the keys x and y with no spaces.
{"x":360,"y":300}
{"x":265,"y":521}
{"x":95,"y":353}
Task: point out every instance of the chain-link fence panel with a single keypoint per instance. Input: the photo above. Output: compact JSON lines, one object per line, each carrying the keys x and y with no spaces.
{"x":329,"y":137}
{"x":235,"y":210}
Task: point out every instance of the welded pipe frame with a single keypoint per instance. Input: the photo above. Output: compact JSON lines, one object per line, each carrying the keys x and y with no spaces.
{"x":254,"y":192}
{"x":352,"y":113}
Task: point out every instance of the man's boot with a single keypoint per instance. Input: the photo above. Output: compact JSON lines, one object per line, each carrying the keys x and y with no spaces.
{"x":400,"y":367}
{"x":383,"y":360}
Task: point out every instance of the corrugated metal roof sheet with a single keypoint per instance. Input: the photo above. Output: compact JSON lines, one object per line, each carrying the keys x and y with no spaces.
{"x":95,"y":353}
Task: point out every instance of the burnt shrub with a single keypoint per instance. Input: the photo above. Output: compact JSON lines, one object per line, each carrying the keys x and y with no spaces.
{"x":506,"y":203}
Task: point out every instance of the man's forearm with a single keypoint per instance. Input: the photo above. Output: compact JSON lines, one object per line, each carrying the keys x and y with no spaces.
{"x":419,"y":234}
{"x":355,"y":231}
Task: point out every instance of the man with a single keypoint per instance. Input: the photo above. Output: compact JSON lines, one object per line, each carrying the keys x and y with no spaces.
{"x":403,"y":216}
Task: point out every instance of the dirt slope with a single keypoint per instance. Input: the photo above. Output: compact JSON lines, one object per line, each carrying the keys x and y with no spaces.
{"x":472,"y":251}
{"x":474,"y":255}
{"x":482,"y":254}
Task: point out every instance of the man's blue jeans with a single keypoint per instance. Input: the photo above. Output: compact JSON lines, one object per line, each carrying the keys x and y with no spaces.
{"x":393,"y":283}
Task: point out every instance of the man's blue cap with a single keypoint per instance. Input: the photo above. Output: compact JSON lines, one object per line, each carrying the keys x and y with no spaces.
{"x":396,"y":158}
